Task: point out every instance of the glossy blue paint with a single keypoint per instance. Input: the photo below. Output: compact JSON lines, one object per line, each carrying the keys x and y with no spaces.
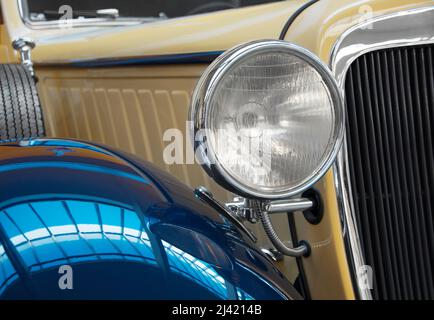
{"x":127,"y":229}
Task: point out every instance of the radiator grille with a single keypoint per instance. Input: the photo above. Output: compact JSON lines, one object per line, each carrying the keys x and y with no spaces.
{"x":390,"y":134}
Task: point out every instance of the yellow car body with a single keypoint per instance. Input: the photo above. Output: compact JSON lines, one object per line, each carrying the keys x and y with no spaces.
{"x":125,"y":85}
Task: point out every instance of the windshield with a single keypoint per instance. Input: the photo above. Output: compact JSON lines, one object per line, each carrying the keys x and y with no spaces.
{"x":46,"y":10}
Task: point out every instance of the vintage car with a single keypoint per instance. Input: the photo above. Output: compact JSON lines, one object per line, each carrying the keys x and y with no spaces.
{"x":236,"y":149}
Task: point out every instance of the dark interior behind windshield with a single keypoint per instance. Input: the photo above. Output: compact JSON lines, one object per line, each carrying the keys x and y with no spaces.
{"x":140,"y":8}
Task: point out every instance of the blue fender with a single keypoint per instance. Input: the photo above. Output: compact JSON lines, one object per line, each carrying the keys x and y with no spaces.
{"x":82,"y":221}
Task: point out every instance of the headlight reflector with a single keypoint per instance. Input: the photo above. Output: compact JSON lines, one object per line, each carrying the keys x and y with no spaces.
{"x":273,"y":119}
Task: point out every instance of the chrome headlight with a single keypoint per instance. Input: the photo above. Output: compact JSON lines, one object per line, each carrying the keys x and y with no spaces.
{"x":267,"y":119}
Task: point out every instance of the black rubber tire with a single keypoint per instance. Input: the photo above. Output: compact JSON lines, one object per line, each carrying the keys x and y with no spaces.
{"x":20,"y":108}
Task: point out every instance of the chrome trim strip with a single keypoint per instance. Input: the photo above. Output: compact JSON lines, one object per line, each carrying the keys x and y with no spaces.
{"x":411,"y":27}
{"x":389,"y":31}
{"x":76,"y":23}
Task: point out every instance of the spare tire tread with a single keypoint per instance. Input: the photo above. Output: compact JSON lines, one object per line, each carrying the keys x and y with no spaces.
{"x":20,"y":109}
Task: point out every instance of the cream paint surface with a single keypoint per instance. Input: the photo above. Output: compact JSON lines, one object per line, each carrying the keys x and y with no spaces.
{"x":7,"y":54}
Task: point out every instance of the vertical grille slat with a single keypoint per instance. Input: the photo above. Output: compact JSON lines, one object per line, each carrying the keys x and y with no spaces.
{"x":356,"y":170}
{"x":421,"y":135}
{"x":375,"y":176}
{"x":390,"y":100}
{"x":413,"y":176}
{"x":402,"y":173}
{"x":391,"y":172}
{"x":388,"y":221}
{"x":366,"y":165}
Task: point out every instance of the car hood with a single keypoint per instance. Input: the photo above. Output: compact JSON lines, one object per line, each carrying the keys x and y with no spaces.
{"x":215,"y":31}
{"x":186,"y":39}
{"x":124,"y":229}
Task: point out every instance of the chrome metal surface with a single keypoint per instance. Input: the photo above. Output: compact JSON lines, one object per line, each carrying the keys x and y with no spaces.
{"x":24,"y":46}
{"x":303,"y":248}
{"x":273,"y":254}
{"x":237,"y":206}
{"x":203,"y":194}
{"x":289,"y":205}
{"x":405,"y":28}
{"x":245,"y":209}
{"x":110,"y":12}
{"x":251,"y":210}
{"x":200,"y":107}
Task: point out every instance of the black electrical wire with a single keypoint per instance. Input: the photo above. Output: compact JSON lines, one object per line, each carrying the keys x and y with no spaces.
{"x":293,"y":17}
{"x":304,"y":287}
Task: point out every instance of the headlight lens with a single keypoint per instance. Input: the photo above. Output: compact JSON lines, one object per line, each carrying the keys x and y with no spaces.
{"x":273,"y":119}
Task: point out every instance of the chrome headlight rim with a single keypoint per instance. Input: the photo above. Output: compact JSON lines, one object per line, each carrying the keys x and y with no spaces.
{"x":203,"y":93}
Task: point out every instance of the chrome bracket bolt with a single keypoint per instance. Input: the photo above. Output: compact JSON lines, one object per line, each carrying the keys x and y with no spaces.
{"x":24,"y":47}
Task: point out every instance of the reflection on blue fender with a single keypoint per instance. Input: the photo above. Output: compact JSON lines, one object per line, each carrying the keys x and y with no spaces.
{"x":125,"y":229}
{"x":48,"y":234}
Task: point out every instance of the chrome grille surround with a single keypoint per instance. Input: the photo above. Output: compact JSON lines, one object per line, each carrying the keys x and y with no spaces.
{"x":406,"y":28}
